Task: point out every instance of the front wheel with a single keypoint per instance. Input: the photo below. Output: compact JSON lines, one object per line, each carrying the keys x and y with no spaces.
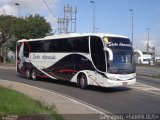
{"x":82,"y":81}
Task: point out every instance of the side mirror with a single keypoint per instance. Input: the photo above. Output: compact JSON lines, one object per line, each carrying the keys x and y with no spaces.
{"x":110,"y":53}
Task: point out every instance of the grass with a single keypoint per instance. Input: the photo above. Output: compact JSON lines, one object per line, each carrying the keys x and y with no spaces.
{"x":15,"y":103}
{"x":156,"y":76}
{"x":152,"y":76}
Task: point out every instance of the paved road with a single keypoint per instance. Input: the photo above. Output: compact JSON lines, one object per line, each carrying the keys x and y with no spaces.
{"x":137,"y":99}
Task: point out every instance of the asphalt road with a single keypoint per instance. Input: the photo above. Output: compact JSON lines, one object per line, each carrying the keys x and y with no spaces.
{"x":141,"y":98}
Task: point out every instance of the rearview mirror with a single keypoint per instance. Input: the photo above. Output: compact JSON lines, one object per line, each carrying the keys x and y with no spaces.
{"x":110,"y":53}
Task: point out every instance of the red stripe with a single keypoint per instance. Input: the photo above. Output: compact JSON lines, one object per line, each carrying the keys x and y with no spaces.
{"x":93,"y":80}
{"x":42,"y":76}
{"x":67,"y":71}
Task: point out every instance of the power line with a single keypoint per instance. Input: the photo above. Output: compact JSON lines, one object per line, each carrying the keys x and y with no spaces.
{"x":49,"y":9}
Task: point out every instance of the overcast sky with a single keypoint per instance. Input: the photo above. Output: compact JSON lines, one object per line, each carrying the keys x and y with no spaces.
{"x":112,"y":16}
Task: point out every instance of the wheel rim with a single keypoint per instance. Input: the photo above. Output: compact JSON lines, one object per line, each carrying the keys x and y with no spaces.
{"x":82,"y":82}
{"x":27,"y":73}
{"x":33,"y":74}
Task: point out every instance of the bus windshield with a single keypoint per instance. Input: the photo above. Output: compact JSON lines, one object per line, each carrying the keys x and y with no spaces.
{"x":122,"y":63}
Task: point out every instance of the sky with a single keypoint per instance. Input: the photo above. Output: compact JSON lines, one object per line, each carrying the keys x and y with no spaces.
{"x":111,"y":16}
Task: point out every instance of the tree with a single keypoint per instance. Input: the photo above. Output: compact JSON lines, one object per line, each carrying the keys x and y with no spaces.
{"x":6,"y":34}
{"x":13,"y":29}
{"x":31,"y":27}
{"x":6,"y":23}
{"x":37,"y":26}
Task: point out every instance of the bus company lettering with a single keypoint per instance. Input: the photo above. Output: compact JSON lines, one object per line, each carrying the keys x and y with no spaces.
{"x":110,"y":44}
{"x":43,"y":57}
{"x":36,"y":56}
{"x":48,"y":57}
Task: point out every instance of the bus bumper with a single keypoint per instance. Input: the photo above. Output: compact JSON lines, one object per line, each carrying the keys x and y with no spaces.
{"x":112,"y":83}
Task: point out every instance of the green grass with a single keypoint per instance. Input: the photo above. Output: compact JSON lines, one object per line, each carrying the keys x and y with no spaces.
{"x":152,"y":76}
{"x":15,"y":103}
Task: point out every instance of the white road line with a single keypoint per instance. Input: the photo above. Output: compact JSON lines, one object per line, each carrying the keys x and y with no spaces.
{"x":147,"y":88}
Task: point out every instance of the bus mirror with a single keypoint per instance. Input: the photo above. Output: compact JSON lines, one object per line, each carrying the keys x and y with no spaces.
{"x":110,"y":53}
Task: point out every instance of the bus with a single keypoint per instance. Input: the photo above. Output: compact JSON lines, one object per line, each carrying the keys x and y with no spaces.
{"x":97,"y":59}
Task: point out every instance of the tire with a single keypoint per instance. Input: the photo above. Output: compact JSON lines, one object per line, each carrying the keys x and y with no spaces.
{"x":33,"y":74}
{"x":82,"y":81}
{"x":28,"y":74}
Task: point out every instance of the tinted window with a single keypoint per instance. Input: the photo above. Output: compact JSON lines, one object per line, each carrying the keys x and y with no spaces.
{"x":119,"y":43}
{"x":82,"y":44}
{"x":55,"y":45}
{"x":97,"y":53}
{"x":26,"y":50}
{"x":78,"y":44}
{"x":36,"y":46}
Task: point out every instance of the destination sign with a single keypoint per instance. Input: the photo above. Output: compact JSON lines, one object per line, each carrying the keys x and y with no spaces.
{"x":117,"y":43}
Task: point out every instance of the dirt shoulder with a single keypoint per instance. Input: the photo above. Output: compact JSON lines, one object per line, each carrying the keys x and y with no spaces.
{"x":7,"y":66}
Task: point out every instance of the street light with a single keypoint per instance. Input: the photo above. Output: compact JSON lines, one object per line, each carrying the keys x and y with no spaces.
{"x":148,"y":29}
{"x":131,"y":10}
{"x":18,"y":8}
{"x":93,"y":15}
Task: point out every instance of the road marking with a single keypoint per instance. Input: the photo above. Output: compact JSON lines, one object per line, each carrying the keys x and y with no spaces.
{"x":147,"y":88}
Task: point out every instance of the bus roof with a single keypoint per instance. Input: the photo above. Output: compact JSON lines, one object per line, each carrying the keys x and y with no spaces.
{"x":70,"y":35}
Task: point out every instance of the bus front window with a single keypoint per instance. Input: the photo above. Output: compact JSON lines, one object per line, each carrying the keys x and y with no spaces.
{"x":122,"y":63}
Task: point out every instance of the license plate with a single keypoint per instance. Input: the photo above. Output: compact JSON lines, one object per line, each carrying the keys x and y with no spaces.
{"x":125,"y":83}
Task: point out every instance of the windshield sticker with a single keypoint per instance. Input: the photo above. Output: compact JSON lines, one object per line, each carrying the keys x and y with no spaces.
{"x":110,"y":44}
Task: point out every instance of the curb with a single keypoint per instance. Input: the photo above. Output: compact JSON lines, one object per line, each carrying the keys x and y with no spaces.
{"x":65,"y":106}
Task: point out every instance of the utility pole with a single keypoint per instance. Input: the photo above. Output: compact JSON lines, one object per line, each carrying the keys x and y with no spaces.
{"x":67,"y":24}
{"x":148,"y":29}
{"x":93,"y":15}
{"x":69,"y":11}
{"x":131,"y":10}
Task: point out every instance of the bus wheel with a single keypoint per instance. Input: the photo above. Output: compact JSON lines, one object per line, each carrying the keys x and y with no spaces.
{"x":27,"y":73}
{"x":82,"y":81}
{"x":34,"y":74}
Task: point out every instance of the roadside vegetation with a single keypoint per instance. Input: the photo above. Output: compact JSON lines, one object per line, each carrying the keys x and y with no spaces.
{"x":13,"y":29}
{"x":152,"y":76}
{"x":15,"y":103}
{"x":156,"y":66}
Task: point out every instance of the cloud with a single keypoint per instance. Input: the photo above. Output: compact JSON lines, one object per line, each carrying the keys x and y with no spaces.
{"x":153,"y":42}
{"x":27,"y":7}
{"x":8,"y":9}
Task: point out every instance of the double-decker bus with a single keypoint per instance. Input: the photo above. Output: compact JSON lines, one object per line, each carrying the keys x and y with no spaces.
{"x":98,"y":59}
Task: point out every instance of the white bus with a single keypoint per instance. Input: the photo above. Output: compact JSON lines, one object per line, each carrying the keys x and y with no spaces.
{"x":104,"y":60}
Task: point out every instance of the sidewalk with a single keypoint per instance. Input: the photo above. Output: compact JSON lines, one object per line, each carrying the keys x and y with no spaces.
{"x":67,"y":107}
{"x":7,"y":66}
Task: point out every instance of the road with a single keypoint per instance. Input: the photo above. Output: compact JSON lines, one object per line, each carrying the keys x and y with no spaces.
{"x":144,"y":97}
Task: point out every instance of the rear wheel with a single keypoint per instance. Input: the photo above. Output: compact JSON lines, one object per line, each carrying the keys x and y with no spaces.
{"x":82,"y":81}
{"x":27,"y":73}
{"x":34,"y":74}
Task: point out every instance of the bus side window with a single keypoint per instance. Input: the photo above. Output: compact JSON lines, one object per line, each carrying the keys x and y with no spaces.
{"x":26,"y":51}
{"x":55,"y":45}
{"x":67,"y":45}
{"x":81,"y":44}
